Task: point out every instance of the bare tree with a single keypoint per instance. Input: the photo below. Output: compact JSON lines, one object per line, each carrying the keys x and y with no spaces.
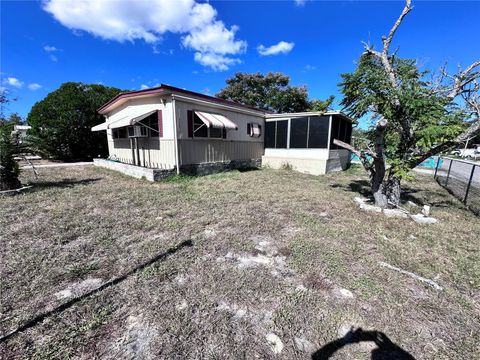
{"x":421,"y":118}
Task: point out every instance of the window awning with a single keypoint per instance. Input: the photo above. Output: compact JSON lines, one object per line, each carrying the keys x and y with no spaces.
{"x":126,"y":121}
{"x":216,"y":120}
{"x":129,"y":122}
{"x":102,"y":126}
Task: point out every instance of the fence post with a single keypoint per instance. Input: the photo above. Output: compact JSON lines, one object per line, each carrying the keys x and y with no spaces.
{"x":448,"y":173}
{"x":468,"y":185}
{"x":436,"y":167}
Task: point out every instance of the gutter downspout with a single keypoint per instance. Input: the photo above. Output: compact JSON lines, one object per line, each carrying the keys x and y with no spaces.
{"x":175,"y":136}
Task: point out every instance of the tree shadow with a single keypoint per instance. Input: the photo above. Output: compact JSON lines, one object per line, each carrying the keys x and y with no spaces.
{"x":361,"y":187}
{"x":64,"y":183}
{"x":386,"y":349}
{"x":436,"y":198}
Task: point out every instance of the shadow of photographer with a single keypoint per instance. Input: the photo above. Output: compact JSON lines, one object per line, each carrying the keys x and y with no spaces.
{"x":386,"y":348}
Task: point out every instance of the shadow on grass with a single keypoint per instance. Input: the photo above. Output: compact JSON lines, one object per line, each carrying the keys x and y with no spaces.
{"x":386,"y":349}
{"x":247,"y":169}
{"x":64,"y":183}
{"x":361,"y":187}
{"x":42,"y":316}
{"x":437,"y":198}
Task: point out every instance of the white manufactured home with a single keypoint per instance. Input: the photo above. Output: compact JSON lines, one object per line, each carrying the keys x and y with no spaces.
{"x":155,"y":132}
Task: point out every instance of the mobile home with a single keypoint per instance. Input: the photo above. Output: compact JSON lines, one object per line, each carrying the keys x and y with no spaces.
{"x":155,"y":132}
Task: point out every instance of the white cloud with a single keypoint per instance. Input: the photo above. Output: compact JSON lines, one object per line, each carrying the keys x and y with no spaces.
{"x":300,"y":2}
{"x":216,"y":61}
{"x":149,"y":86}
{"x":13,"y":82}
{"x":53,"y":58}
{"x":309,"y":67}
{"x":34,"y":86}
{"x":49,"y":48}
{"x":282,"y":47}
{"x":131,"y":20}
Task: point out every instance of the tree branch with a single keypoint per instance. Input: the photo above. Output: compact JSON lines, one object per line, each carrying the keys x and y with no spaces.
{"x":464,"y":78}
{"x":388,"y":40}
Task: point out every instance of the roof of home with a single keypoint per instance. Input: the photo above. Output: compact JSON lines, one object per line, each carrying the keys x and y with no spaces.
{"x":22,"y":127}
{"x":168,"y":89}
{"x":309,"y":113}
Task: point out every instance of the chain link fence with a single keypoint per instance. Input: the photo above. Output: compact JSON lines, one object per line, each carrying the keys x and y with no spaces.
{"x":462,"y":179}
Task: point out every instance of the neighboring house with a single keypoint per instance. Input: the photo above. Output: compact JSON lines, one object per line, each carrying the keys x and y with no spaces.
{"x":21,"y":130}
{"x":170,"y":128}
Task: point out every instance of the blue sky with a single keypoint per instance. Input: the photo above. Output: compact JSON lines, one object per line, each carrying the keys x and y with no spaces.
{"x":197,"y":45}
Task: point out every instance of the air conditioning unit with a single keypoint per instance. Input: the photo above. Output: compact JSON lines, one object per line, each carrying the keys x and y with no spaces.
{"x":137,"y":131}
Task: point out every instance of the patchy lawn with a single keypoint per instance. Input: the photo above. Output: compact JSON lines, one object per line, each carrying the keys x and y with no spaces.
{"x":281,"y":265}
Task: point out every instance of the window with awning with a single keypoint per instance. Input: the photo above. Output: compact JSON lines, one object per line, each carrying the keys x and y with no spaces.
{"x":152,"y":121}
{"x":208,"y":125}
{"x":216,"y":121}
{"x":129,"y":121}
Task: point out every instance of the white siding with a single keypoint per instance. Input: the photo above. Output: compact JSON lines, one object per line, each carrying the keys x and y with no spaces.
{"x":237,"y":146}
{"x":239,"y":118}
{"x":154,"y":152}
{"x":137,"y":107}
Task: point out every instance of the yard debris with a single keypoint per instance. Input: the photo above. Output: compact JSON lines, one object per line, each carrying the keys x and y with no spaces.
{"x":275,"y":343}
{"x":415,"y":276}
{"x":365,"y":205}
{"x":14,"y":191}
{"x":395,"y":213}
{"x":422,"y":219}
{"x":426,"y":210}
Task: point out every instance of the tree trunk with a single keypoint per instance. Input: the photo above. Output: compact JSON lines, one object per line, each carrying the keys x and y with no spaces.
{"x":376,"y":180}
{"x":392,"y":189}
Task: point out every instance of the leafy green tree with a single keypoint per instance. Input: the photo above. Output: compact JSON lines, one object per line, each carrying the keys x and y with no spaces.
{"x":271,"y":92}
{"x":61,"y":123}
{"x":9,"y":169}
{"x":15,"y":119}
{"x":412,"y":118}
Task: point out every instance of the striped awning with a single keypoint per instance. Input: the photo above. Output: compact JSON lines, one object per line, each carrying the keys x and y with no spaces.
{"x":125,"y":121}
{"x":130,"y":121}
{"x":216,"y":120}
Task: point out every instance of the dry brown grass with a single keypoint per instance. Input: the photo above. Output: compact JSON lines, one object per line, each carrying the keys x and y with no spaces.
{"x":271,"y":252}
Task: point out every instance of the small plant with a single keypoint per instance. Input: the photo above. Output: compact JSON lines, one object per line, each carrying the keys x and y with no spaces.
{"x":286,"y":166}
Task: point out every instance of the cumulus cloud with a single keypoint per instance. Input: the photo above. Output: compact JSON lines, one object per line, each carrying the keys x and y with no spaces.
{"x":131,"y":20}
{"x":13,"y":82}
{"x":49,"y":48}
{"x":300,"y":2}
{"x":217,"y":62}
{"x":282,"y":47}
{"x":34,"y":86}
